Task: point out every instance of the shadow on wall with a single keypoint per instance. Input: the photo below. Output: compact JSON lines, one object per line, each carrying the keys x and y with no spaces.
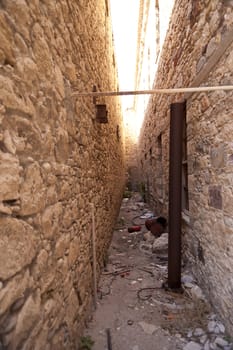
{"x":133,"y":179}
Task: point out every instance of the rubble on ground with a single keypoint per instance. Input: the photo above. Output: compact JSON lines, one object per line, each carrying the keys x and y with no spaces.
{"x":142,"y":314}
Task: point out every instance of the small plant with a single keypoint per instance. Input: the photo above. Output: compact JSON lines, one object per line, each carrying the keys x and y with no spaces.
{"x":121,"y":221}
{"x":86,"y":343}
{"x":127,"y":193}
{"x":142,"y":190}
{"x":105,"y":260}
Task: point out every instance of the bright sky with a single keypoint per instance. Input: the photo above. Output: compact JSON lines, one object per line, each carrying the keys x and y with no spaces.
{"x":124,"y":15}
{"x":125,"y":21}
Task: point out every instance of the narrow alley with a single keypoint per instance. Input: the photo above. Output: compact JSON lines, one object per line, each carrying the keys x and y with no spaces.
{"x":102,"y":102}
{"x":134,"y":309}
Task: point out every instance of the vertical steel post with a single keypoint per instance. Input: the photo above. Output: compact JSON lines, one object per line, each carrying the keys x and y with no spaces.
{"x":177,"y":118}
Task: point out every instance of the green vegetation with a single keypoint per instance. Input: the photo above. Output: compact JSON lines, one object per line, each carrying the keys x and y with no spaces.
{"x":127,"y":193}
{"x":86,"y":343}
{"x":142,"y":190}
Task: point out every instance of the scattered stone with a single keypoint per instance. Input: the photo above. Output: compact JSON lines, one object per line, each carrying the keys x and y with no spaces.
{"x":148,"y":237}
{"x":135,"y":347}
{"x":148,"y":328}
{"x":177,"y":335}
{"x":207,"y":345}
{"x":203,"y":339}
{"x":133,"y":207}
{"x":140,"y":205}
{"x":197,"y":293}
{"x":133,"y":282}
{"x":187,"y":279}
{"x":125,"y":200}
{"x":212,"y":317}
{"x":198,"y":332}
{"x":190,"y":333}
{"x":221,"y":342}
{"x":221,"y":327}
{"x":147,"y":215}
{"x":188,"y":285}
{"x":192,"y":346}
{"x":211,"y":326}
{"x":161,"y":244}
{"x":145,"y":248}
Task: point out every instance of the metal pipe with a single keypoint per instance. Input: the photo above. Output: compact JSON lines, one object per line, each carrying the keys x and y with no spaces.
{"x":109,"y":339}
{"x":94,"y":254}
{"x":155,"y":91}
{"x":177,"y":117}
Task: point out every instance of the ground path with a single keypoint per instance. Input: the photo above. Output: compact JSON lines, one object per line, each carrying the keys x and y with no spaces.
{"x":134,"y":311}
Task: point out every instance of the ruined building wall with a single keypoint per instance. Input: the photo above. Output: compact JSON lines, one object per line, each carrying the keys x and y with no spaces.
{"x":55,"y":160}
{"x":198,"y":51}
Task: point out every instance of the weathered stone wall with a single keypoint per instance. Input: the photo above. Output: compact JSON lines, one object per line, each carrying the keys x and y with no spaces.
{"x":55,"y":159}
{"x":194,"y":54}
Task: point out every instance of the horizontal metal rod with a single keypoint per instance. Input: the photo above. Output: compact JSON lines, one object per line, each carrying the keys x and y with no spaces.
{"x":154,"y":91}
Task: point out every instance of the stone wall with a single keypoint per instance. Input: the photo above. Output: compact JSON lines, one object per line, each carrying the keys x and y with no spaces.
{"x":55,"y":160}
{"x":198,"y":51}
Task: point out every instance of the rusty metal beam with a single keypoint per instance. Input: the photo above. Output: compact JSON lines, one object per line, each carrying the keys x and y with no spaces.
{"x":177,"y":117}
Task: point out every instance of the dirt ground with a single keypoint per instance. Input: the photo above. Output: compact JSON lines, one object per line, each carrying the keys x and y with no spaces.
{"x":134,"y":311}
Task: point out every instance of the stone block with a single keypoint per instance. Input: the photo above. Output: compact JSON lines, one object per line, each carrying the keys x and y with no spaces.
{"x":43,"y":57}
{"x":40,"y":264}
{"x":72,"y":308}
{"x":51,"y":219}
{"x":9,"y":176}
{"x":227,"y":201}
{"x":211,"y":47}
{"x":28,"y":69}
{"x":59,"y":80}
{"x":32,"y":191}
{"x":17,"y":246}
{"x":10,"y":98}
{"x":73,"y":251}
{"x":160,"y":244}
{"x":215,"y":196}
{"x":61,"y":246}
{"x":205,"y":103}
{"x":217,"y":156}
{"x":27,"y":319}
{"x":62,"y":145}
{"x":6,"y":41}
{"x":14,"y":290}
